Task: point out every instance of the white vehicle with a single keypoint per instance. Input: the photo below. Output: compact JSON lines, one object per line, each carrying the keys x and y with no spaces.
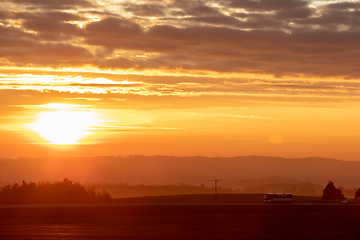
{"x":278,"y":197}
{"x":347,"y":201}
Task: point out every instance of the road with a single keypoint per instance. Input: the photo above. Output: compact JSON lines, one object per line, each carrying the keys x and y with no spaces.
{"x":181,"y":221}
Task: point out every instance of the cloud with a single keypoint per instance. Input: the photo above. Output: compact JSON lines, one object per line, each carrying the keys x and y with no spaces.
{"x":111,"y":32}
{"x":51,"y":30}
{"x":28,"y":53}
{"x":279,"y":37}
{"x":335,"y":17}
{"x":343,"y":6}
{"x":146,"y":10}
{"x":297,"y":13}
{"x":54,"y":4}
{"x":268,"y":5}
{"x":41,"y":15}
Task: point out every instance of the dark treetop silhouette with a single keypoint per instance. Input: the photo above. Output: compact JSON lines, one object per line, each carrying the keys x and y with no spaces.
{"x":332,"y":193}
{"x":64,"y":191}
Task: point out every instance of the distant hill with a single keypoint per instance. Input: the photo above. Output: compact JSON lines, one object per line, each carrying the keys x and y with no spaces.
{"x":160,"y":170}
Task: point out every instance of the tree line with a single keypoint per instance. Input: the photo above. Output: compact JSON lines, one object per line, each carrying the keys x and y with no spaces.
{"x":67,"y":191}
{"x":64,"y":191}
{"x":332,"y":193}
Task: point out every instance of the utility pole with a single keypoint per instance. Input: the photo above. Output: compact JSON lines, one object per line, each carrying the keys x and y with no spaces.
{"x":216,"y":192}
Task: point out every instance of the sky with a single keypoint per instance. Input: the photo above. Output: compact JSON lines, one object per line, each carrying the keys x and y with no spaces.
{"x":180,"y":77}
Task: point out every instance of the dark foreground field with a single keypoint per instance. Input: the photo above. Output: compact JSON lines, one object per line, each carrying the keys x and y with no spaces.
{"x":172,"y":221}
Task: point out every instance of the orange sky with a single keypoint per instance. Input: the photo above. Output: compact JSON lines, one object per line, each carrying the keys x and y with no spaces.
{"x":180,"y":77}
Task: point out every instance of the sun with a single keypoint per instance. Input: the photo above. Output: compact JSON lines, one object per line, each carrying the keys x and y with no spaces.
{"x":64,"y":127}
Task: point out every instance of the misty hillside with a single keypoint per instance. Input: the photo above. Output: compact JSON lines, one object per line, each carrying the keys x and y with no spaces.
{"x":158,"y":170}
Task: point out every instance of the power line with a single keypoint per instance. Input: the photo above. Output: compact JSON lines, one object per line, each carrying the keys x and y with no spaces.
{"x":216,"y":193}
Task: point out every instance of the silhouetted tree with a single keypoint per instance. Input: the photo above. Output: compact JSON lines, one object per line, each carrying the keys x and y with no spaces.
{"x":357,"y":194}
{"x":332,"y":193}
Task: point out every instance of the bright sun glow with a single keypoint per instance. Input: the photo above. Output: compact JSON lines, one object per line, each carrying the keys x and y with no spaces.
{"x":64,"y":127}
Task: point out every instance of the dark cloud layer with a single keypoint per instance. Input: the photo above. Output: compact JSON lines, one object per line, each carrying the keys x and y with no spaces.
{"x":280,"y":37}
{"x":268,"y":5}
{"x":53,"y":4}
{"x":146,"y":10}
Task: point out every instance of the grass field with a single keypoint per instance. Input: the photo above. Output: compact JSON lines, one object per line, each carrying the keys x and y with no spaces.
{"x":210,"y":198}
{"x":181,"y":221}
